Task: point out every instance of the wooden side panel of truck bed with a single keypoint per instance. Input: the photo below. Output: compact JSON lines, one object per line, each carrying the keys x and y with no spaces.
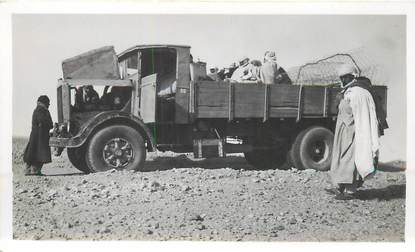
{"x":249,"y":100}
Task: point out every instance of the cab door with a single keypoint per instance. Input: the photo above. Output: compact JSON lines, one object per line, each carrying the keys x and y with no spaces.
{"x":148,"y":98}
{"x":136,"y":82}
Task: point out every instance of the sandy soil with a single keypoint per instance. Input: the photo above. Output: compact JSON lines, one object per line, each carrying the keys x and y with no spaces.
{"x":180,"y":198}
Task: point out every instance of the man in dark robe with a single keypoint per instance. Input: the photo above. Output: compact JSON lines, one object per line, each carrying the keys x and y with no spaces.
{"x":37,"y":150}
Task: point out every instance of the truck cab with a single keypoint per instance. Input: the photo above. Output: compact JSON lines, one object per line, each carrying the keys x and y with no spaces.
{"x":143,"y":85}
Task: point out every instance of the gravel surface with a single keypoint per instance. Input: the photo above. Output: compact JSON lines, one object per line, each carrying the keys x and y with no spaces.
{"x":180,"y":198}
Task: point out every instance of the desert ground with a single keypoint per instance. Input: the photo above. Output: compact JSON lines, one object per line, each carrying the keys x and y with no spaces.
{"x":181,"y":198}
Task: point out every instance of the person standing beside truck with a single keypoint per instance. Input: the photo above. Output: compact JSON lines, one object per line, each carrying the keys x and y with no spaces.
{"x":356,"y":139}
{"x":37,"y":151}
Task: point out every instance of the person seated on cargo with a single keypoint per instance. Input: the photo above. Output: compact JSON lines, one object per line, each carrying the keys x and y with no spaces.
{"x":229,"y":71}
{"x":282,"y":77}
{"x":256,"y":66}
{"x":120,"y":96}
{"x":221,"y":74}
{"x":79,"y":100}
{"x":90,"y":98}
{"x":213,"y":74}
{"x":116,"y":99}
{"x":271,"y":72}
{"x":244,"y":71}
{"x":86,"y":98}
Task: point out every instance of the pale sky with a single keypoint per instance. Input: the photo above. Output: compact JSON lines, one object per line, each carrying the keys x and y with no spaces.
{"x":41,"y":42}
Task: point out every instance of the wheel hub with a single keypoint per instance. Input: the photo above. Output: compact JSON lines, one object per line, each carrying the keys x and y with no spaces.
{"x":118,"y":152}
{"x":319,"y":151}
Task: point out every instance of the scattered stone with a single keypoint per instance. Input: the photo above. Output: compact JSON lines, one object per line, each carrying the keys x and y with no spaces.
{"x":366,"y":212}
{"x":21,"y":191}
{"x":196,"y":217}
{"x":293,"y":221}
{"x":391,"y":178}
{"x":149,"y":231}
{"x":186,"y":188}
{"x":201,"y":227}
{"x":106,"y":230}
{"x":280,"y":227}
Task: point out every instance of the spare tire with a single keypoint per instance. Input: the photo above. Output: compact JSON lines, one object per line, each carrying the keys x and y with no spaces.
{"x":116,"y":147}
{"x":312,"y":149}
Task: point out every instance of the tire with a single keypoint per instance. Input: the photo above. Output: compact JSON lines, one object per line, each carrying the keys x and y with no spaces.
{"x":116,"y":147}
{"x":288,"y":163}
{"x":312,"y":149}
{"x":77,"y":157}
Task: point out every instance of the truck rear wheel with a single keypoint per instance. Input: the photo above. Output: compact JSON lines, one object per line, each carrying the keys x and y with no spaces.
{"x":116,"y":147}
{"x":312,"y":149}
{"x":77,"y":158}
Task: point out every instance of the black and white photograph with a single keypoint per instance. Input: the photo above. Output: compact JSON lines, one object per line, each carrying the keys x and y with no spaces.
{"x":238,"y":127}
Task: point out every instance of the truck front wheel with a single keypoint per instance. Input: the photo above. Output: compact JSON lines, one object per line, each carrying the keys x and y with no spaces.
{"x":116,"y":147}
{"x":312,"y":149}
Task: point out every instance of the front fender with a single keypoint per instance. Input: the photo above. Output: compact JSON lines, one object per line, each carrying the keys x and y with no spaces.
{"x":100,"y":120}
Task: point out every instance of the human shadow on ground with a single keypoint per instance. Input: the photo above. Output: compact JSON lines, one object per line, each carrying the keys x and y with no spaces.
{"x":64,"y":174}
{"x":383,"y":194}
{"x":392,"y":166}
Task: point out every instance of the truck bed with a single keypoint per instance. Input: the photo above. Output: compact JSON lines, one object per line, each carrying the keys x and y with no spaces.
{"x":251,"y":100}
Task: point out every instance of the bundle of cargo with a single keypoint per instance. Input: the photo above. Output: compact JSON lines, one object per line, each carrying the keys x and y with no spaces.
{"x":324,"y":71}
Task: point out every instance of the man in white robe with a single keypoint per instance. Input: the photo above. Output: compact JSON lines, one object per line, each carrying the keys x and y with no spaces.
{"x":356,"y":139}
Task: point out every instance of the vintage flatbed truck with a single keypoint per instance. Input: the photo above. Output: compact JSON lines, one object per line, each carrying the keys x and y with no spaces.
{"x":169,"y":106}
